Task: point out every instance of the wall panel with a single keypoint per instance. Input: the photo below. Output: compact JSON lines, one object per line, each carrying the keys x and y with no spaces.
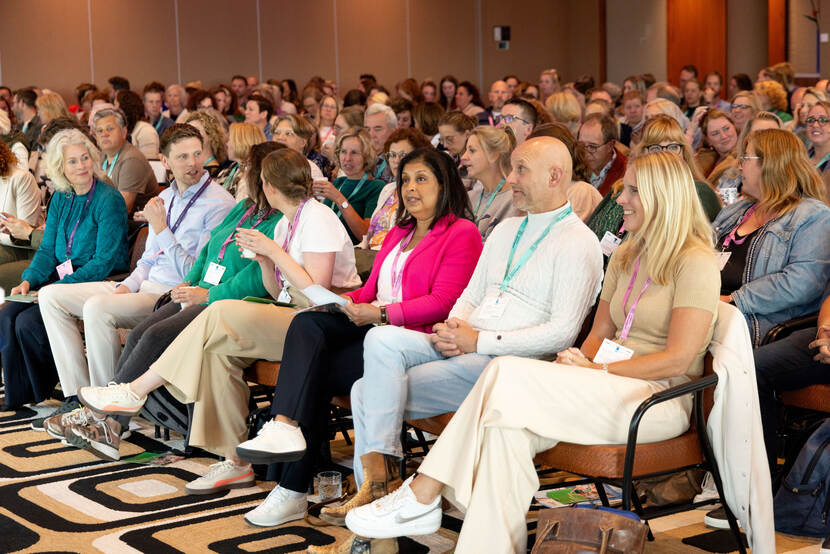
{"x":443,"y":39}
{"x":696,"y":35}
{"x":636,"y":38}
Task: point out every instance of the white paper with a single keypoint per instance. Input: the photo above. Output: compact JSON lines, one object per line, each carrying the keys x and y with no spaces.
{"x":318,"y":296}
{"x":610,"y":352}
{"x":609,"y":243}
{"x":723,"y":257}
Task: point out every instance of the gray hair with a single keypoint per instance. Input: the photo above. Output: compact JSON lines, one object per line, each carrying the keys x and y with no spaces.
{"x":670,"y":109}
{"x":55,"y":160}
{"x":120,"y":118}
{"x":391,"y":118}
{"x":177,"y":89}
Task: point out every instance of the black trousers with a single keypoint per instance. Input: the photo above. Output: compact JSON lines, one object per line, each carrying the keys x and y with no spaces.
{"x":323,"y":357}
{"x":29,"y":372}
{"x":785,"y":365}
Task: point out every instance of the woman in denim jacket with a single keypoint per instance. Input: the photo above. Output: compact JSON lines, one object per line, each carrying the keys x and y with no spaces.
{"x":774,"y":247}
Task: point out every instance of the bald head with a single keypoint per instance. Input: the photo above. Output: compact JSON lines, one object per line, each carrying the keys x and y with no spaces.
{"x":541,"y":174}
{"x":499,"y":94}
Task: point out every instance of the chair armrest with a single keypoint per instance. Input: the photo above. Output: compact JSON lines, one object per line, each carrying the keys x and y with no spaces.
{"x":789,"y":327}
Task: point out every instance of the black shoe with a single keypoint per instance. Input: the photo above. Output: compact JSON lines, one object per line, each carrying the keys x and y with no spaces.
{"x":825,"y":546}
{"x":66,"y":407}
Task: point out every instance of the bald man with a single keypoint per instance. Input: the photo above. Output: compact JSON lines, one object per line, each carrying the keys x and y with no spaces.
{"x":498,"y":95}
{"x":535,"y":283}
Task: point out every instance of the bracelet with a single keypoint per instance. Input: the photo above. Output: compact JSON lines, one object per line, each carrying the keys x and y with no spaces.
{"x":605,"y":368}
{"x":384,"y":317}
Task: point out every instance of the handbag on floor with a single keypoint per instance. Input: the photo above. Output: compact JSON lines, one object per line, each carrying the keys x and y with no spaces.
{"x":589,"y":529}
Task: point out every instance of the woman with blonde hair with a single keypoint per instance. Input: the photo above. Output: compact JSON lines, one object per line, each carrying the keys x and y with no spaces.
{"x":818,"y":133}
{"x":214,"y":140}
{"x":565,"y":109}
{"x":487,"y":160}
{"x":744,"y":106}
{"x":241,"y":138}
{"x":50,"y":105}
{"x":774,"y":257}
{"x":483,"y":461}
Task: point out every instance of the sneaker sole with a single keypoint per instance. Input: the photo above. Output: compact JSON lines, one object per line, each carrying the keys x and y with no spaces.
{"x":394,"y":530}
{"x":716,"y":523}
{"x":101,"y":450}
{"x":53,"y":434}
{"x":108,"y":412}
{"x":286,"y":519}
{"x":339,"y":521}
{"x":38,"y":429}
{"x":262,"y":457}
{"x":244,"y":485}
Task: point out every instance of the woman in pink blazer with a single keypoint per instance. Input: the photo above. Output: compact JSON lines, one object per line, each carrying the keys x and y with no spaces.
{"x":423,"y":266}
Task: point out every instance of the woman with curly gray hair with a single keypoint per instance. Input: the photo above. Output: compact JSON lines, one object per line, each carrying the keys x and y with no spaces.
{"x":85,"y":239}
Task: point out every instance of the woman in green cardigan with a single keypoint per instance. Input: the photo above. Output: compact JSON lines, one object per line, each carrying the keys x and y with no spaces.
{"x":85,"y":239}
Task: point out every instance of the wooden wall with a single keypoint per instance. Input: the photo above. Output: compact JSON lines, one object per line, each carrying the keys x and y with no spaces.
{"x":696,"y":35}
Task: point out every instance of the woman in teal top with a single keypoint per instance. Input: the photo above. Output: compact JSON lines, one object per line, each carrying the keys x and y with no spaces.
{"x":355,"y":196}
{"x":85,"y":239}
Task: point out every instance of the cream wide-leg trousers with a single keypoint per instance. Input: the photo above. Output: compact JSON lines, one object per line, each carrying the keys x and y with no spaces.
{"x":520,"y":407}
{"x":204,"y":365}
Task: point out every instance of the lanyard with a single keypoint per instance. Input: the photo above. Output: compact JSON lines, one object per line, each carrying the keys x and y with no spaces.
{"x":493,"y":195}
{"x":289,"y":236}
{"x":112,"y":165}
{"x":397,"y":276}
{"x":71,"y":238}
{"x":510,"y":273}
{"x":158,"y":123}
{"x":351,"y":194}
{"x":629,"y":318}
{"x":229,"y":179}
{"x":730,"y":238}
{"x":190,"y":203}
{"x":207,"y":161}
{"x":381,"y":167}
{"x":823,"y":161}
{"x":325,"y":138}
{"x":262,"y":216}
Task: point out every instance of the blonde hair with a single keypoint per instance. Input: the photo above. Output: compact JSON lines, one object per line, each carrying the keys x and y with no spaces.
{"x":787,"y":173}
{"x":670,"y":109}
{"x":774,"y":92}
{"x":216,"y":136}
{"x":243,"y":136}
{"x":55,"y":160}
{"x":751,"y":97}
{"x":666,"y":128}
{"x":51,"y":106}
{"x":369,"y":156}
{"x":496,"y":141}
{"x":564,"y":108}
{"x":674,"y":221}
{"x":760,"y":116}
{"x":380,"y":98}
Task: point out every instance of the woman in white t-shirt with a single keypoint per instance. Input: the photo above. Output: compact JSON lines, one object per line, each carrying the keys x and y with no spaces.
{"x":310,"y":247}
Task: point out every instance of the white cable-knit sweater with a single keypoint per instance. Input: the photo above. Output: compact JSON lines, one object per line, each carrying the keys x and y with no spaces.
{"x":548,"y":298}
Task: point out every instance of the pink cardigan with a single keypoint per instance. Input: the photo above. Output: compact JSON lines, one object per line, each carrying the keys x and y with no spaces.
{"x":434,"y":275}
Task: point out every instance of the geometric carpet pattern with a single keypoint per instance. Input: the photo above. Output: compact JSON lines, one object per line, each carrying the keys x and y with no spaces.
{"x":56,"y":498}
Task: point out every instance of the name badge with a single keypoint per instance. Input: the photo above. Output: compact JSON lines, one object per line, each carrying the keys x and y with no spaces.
{"x":493,"y":307}
{"x":284,"y":296}
{"x":609,"y":243}
{"x":611,"y":352}
{"x":723,"y":257}
{"x":65,"y":269}
{"x":214,"y":273}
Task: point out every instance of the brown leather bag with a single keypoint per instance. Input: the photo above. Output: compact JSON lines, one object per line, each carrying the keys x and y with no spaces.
{"x":581,"y":530}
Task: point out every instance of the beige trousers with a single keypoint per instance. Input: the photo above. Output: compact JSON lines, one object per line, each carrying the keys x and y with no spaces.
{"x":204,"y":365}
{"x":520,"y":407}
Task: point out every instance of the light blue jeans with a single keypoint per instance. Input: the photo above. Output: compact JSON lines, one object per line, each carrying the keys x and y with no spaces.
{"x":405,"y":377}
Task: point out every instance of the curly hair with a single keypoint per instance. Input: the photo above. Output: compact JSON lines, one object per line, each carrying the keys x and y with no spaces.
{"x":55,"y":159}
{"x":774,"y":93}
{"x":8,"y":161}
{"x":216,"y":135}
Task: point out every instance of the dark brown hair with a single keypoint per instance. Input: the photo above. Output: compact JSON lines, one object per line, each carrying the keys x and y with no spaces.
{"x":288,"y":172}
{"x":175,"y":133}
{"x":254,"y":170}
{"x":410,"y":134}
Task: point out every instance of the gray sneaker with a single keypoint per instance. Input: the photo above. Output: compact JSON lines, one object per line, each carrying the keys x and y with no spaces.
{"x":101,"y":438}
{"x":66,"y":407}
{"x":58,"y":425}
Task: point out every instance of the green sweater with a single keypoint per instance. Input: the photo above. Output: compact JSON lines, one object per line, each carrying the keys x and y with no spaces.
{"x":242,"y":276}
{"x":364,"y":202}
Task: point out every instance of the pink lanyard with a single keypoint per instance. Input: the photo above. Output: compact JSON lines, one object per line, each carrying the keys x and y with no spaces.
{"x":397,"y":276}
{"x":730,"y":238}
{"x":289,"y":236}
{"x":629,"y":318}
{"x":244,"y":217}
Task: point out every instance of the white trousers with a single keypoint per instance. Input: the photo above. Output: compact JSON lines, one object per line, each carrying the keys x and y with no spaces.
{"x":103,"y":313}
{"x":518,"y":408}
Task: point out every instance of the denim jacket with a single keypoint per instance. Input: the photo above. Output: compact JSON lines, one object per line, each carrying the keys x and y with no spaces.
{"x":787,"y":266}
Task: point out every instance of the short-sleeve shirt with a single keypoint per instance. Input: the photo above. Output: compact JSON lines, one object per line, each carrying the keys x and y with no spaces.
{"x":364,"y":201}
{"x":695,"y":284}
{"x":319,"y":230}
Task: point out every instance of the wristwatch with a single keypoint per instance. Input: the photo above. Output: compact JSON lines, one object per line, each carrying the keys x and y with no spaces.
{"x":605,"y":368}
{"x":344,"y":204}
{"x":384,"y":317}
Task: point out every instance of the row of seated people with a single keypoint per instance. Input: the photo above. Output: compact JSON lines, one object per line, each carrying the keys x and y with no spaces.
{"x":459,"y":310}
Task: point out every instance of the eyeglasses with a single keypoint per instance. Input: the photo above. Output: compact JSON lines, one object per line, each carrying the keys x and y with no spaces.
{"x":674,"y":148}
{"x":591,"y":147}
{"x":820,"y":120}
{"x":392,"y":155}
{"x":739,"y":107}
{"x":511,"y":118}
{"x":743,"y":159}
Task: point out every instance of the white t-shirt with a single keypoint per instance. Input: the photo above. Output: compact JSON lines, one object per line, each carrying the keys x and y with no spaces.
{"x":386,"y":289}
{"x":320,"y":230}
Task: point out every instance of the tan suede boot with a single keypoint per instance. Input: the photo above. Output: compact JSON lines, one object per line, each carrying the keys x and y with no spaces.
{"x":357,"y":545}
{"x":381,"y":476}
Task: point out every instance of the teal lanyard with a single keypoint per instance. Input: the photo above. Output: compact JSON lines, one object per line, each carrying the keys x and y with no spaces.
{"x":489,"y":200}
{"x":351,"y":194}
{"x":229,"y":180}
{"x":823,"y":160}
{"x":510,"y":273}
{"x":111,"y":166}
{"x":158,"y":123}
{"x":381,"y":167}
{"x":207,"y":161}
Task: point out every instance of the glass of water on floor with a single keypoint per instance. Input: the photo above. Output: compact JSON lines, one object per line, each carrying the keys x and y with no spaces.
{"x":329,"y":485}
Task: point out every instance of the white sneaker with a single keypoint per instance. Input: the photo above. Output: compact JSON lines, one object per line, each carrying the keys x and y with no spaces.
{"x":710,"y":491}
{"x":275,"y":442}
{"x":114,"y":399}
{"x":222,"y":476}
{"x":278,"y":507}
{"x":397,"y":514}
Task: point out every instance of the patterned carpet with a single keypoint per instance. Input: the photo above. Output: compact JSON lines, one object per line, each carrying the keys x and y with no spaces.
{"x":55,"y":498}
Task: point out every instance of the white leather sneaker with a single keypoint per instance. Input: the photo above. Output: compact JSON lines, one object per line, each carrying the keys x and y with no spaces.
{"x":278,"y":507}
{"x":114,"y":399}
{"x":275,"y":442}
{"x":397,"y":514}
{"x":222,"y":476}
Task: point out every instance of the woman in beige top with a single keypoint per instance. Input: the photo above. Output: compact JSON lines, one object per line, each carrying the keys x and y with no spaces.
{"x":19,"y":201}
{"x":666,"y":277}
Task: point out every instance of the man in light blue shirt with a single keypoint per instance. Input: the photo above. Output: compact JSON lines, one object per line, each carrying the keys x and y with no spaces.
{"x":180,"y":220}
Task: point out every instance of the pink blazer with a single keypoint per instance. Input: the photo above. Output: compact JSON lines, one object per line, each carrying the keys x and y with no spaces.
{"x":434,"y":275}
